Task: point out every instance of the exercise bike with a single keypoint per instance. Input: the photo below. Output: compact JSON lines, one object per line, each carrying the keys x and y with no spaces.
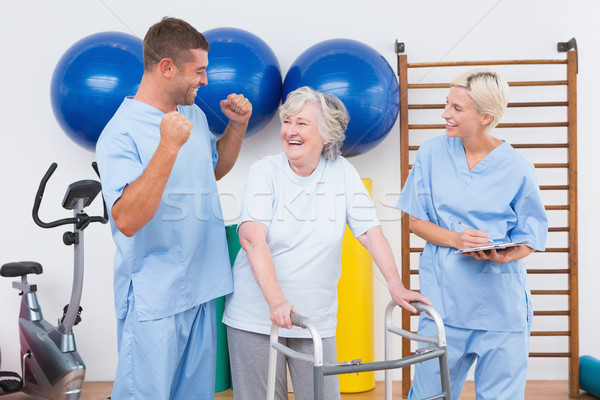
{"x":51,"y":366}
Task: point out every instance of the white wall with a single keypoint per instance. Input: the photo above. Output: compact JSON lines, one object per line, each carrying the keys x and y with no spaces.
{"x":36,"y":34}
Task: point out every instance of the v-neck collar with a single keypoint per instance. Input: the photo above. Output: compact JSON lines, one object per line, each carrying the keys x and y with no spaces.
{"x":482,"y":166}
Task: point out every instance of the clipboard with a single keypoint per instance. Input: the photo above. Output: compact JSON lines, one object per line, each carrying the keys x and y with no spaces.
{"x":496,"y":246}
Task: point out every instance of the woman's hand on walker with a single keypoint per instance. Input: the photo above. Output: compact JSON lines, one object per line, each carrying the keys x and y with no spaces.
{"x":403,"y":297}
{"x":280,"y":313}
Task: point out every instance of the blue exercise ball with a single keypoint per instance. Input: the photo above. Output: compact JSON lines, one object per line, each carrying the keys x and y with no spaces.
{"x":240,"y":62}
{"x":589,"y":375}
{"x":91,"y":80}
{"x":361,"y":78}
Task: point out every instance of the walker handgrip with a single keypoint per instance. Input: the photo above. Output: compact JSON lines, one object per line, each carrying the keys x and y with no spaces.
{"x":298,"y":320}
{"x":420,"y":306}
{"x":437,"y":319}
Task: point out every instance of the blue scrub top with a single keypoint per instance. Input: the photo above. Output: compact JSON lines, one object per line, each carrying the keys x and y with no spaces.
{"x":179,"y":259}
{"x":501,"y":196}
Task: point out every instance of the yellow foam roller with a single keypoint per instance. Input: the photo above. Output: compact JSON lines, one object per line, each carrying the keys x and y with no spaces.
{"x":355,"y":325}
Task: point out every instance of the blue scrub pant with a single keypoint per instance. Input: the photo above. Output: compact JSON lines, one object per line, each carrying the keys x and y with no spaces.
{"x":500,"y":372}
{"x":169,"y":358}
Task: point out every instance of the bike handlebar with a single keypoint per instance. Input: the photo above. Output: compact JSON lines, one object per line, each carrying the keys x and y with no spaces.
{"x":64,"y":221}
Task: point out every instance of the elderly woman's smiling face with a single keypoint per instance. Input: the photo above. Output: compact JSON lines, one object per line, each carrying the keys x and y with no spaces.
{"x":302,"y":142}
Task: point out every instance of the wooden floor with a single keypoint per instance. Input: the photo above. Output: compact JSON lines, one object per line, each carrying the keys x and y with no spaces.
{"x":536,"y":390}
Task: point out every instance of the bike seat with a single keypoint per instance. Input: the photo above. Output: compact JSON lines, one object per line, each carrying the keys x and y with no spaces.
{"x":20,"y":268}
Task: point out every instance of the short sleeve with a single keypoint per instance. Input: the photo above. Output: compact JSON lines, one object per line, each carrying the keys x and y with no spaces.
{"x":258,"y":198}
{"x":532,"y":222}
{"x":119,"y":165}
{"x":416,"y":193}
{"x":361,"y":213}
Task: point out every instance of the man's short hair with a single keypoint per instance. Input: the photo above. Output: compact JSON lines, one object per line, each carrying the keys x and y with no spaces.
{"x":171,"y":38}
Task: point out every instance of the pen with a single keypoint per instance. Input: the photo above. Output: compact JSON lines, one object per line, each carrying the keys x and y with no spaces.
{"x":468,"y":227}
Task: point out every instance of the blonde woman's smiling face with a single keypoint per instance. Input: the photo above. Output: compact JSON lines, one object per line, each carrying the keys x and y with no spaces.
{"x":462,"y":118}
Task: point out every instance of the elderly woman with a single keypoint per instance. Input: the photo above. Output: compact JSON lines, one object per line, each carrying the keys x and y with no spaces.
{"x":294,"y":211}
{"x":467,"y":188}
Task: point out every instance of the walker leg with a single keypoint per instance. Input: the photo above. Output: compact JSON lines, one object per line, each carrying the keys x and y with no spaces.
{"x":319,"y":383}
{"x":388,"y":350}
{"x":445,"y":376}
{"x":388,"y":384}
{"x":272,"y":365}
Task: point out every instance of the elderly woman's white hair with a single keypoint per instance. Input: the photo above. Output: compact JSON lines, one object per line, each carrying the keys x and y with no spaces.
{"x":332,"y":114}
{"x":487,"y":90}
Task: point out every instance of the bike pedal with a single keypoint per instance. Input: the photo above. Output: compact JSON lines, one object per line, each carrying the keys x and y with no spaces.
{"x":11,"y":385}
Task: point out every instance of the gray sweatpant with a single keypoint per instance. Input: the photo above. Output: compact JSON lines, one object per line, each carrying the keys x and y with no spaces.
{"x":249,"y":359}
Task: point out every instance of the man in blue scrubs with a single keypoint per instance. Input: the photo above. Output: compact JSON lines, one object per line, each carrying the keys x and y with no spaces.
{"x":159,"y":164}
{"x":467,"y":188}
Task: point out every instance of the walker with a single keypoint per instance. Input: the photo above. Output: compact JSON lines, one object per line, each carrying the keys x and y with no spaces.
{"x":435,"y":349}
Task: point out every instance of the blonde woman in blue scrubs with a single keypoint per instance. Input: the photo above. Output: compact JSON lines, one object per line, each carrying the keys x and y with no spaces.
{"x":466,"y":189}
